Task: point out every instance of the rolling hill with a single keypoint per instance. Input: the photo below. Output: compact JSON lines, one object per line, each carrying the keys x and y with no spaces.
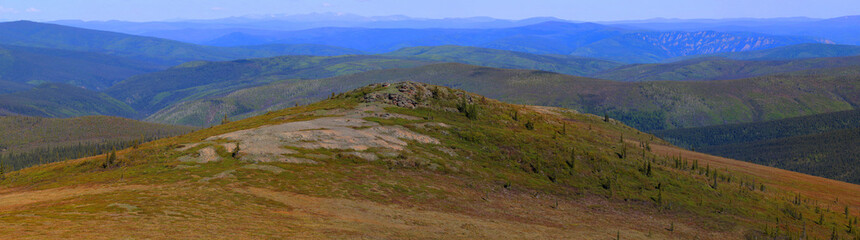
{"x":301,"y":49}
{"x":572,"y":65}
{"x":28,"y":141}
{"x":59,"y":100}
{"x":644,"y":105}
{"x":409,"y":160}
{"x":155,"y":50}
{"x":719,"y":69}
{"x":10,"y":87}
{"x":34,"y":66}
{"x":149,"y":93}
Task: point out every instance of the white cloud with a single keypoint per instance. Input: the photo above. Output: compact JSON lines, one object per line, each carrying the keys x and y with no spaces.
{"x":7,"y":10}
{"x":33,"y":10}
{"x":217,"y":8}
{"x":327,"y":5}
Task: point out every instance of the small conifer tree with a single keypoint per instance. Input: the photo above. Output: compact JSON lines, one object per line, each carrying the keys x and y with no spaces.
{"x":235,"y":152}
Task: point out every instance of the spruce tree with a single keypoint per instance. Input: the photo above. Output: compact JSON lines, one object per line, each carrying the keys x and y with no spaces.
{"x":235,"y":152}
{"x":648,"y":171}
{"x":225,"y":120}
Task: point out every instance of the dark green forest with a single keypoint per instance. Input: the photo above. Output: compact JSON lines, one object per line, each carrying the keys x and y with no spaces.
{"x":12,"y":160}
{"x":824,"y":145}
{"x":758,"y":131}
{"x":833,"y":154}
{"x":27,"y":141}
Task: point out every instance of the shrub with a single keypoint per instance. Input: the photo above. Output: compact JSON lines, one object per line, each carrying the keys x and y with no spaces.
{"x":470,"y":109}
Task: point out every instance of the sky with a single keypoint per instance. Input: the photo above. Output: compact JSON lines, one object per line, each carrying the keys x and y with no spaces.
{"x":581,"y":10}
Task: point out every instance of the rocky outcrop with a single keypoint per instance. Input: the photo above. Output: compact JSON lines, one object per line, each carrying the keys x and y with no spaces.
{"x":411,"y":94}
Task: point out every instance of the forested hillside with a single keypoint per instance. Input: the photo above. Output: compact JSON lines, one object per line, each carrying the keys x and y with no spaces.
{"x":579,"y":66}
{"x":34,"y":66}
{"x":646,"y":105}
{"x":822,"y":145}
{"x":9,"y":86}
{"x":62,"y":101}
{"x":833,"y":154}
{"x":195,"y":80}
{"x":790,"y":52}
{"x":757,"y":131}
{"x":27,"y":141}
{"x":719,"y":69}
{"x":650,"y":47}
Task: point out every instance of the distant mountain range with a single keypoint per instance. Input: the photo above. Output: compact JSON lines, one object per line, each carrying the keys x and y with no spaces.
{"x":619,"y":43}
{"x":153,"y":50}
{"x":842,"y":30}
{"x":280,"y":22}
{"x":579,"y":39}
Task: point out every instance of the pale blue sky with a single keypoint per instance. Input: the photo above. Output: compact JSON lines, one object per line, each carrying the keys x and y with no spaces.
{"x":585,"y":10}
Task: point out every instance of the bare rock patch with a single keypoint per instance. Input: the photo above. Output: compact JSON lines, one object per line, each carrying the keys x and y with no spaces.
{"x":268,"y":168}
{"x":266,"y":144}
{"x":127,"y":207}
{"x":205,"y":155}
{"x":224,"y":174}
{"x":364,"y":155}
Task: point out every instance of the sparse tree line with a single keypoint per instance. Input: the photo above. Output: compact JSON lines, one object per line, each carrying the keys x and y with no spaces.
{"x":10,"y":160}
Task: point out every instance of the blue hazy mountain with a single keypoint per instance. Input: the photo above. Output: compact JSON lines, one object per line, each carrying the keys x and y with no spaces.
{"x":581,"y":39}
{"x":154,"y":50}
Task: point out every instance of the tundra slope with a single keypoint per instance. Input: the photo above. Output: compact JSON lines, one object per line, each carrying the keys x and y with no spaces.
{"x":444,"y":163}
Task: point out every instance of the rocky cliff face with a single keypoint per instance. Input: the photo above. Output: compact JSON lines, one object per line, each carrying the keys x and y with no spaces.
{"x":643,"y":47}
{"x":707,"y":42}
